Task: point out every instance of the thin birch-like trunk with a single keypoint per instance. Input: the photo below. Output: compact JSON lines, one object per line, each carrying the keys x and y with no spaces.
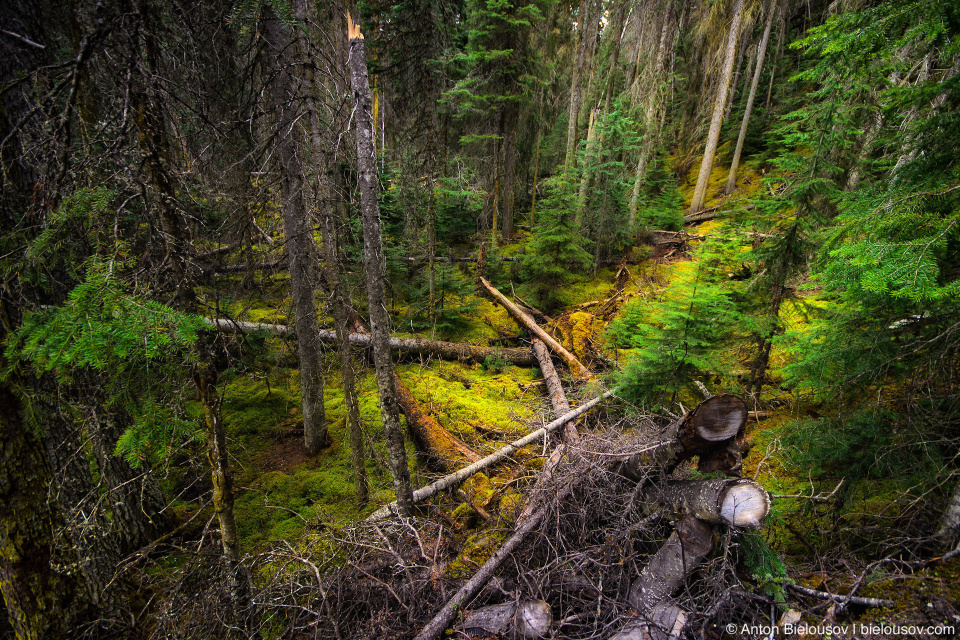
{"x":761,"y":52}
{"x":374,"y":271}
{"x":713,"y":137}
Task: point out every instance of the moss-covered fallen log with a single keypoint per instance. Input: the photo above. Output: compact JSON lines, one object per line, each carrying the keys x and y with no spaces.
{"x":457,"y":351}
{"x":424,"y":493}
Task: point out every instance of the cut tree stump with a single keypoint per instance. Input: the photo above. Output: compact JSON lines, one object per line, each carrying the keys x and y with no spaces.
{"x":523,"y":319}
{"x":736,"y":502}
{"x":707,"y":427}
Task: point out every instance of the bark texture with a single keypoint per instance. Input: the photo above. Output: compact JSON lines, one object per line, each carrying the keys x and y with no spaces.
{"x":374,"y":271}
{"x":445,"y":451}
{"x":735,"y":502}
{"x":455,"y":351}
{"x":298,"y":231}
{"x":524,"y":619}
{"x":44,"y":599}
{"x":731,"y":185}
{"x":670,"y":567}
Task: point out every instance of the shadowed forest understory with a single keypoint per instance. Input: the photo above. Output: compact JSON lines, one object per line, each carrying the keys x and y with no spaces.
{"x":606,"y":319}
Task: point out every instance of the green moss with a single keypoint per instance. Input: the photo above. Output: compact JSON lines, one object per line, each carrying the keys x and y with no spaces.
{"x":476,"y":551}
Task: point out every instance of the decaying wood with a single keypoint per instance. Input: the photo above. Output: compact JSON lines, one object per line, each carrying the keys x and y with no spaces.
{"x":456,"y":351}
{"x":445,"y":450}
{"x":522,"y":318}
{"x":558,"y":399}
{"x":736,"y":502}
{"x":701,"y":430}
{"x":498,"y":456}
{"x":665,"y":622}
{"x":670,"y":567}
{"x":525,"y":619}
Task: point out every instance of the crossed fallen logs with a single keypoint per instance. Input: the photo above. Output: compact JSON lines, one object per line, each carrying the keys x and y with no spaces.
{"x":713,"y":433}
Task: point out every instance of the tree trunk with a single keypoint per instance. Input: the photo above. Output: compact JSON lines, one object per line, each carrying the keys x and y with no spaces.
{"x":526,"y":619}
{"x":735,"y":502}
{"x":339,"y":309}
{"x":707,"y":427}
{"x":44,"y":599}
{"x":523,"y":319}
{"x":135,"y":497}
{"x":558,"y":399}
{"x":587,"y":30}
{"x":710,"y":151}
{"x":298,"y":232}
{"x":670,"y":567}
{"x":664,"y":622}
{"x":374,"y":271}
{"x":731,"y":185}
{"x":509,"y":169}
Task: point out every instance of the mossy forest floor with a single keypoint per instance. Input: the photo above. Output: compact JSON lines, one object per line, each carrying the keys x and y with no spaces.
{"x":285,"y":497}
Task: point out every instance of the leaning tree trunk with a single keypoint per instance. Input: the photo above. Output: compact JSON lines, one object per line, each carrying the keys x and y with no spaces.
{"x":298,"y":232}
{"x":761,"y":52}
{"x":713,"y":137}
{"x":373,"y":270}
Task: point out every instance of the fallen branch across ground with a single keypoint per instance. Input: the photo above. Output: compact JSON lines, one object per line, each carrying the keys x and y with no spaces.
{"x":457,"y":351}
{"x":526,"y":321}
{"x":505,"y":452}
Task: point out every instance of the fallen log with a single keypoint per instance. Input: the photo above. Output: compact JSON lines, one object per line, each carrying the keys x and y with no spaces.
{"x":498,"y":456}
{"x":519,"y":316}
{"x":670,"y":567}
{"x":526,"y":619}
{"x":456,"y":351}
{"x":445,"y":451}
{"x":665,"y":622}
{"x":845,"y":600}
{"x":736,"y":502}
{"x":558,"y":399}
{"x":710,"y":423}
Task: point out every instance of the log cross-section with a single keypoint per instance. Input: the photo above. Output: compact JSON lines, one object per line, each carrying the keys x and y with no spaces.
{"x":736,"y":502}
{"x":523,"y":319}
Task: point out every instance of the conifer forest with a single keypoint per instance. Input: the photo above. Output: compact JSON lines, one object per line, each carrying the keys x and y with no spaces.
{"x":423,"y":319}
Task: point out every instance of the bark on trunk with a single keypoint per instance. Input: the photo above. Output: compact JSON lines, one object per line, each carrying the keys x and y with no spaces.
{"x":341,"y":320}
{"x":512,"y":118}
{"x":735,"y":502}
{"x":44,"y":599}
{"x":134,"y":495}
{"x":710,"y":151}
{"x":519,"y":316}
{"x":455,"y":351}
{"x":665,"y":622}
{"x":731,"y":185}
{"x":525,"y":619}
{"x":374,"y":270}
{"x":670,"y":567}
{"x":298,"y":232}
{"x":558,"y":399}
